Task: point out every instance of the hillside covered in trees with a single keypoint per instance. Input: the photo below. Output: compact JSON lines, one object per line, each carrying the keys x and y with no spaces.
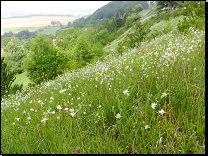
{"x":114,"y":9}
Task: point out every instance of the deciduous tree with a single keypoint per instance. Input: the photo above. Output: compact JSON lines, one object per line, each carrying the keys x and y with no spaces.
{"x":138,"y":8}
{"x":44,"y":61}
{"x":7,"y":78}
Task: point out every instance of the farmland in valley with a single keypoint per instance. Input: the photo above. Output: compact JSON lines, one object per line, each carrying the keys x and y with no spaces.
{"x":32,"y":23}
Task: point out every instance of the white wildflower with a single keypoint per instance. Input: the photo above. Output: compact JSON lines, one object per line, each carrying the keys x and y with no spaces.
{"x":58,"y":107}
{"x":153,"y":105}
{"x":61,"y":91}
{"x":17,"y":119}
{"x":72,"y":114}
{"x":163,"y":95}
{"x":160,"y":141}
{"x":146,"y":127}
{"x":126,"y":92}
{"x":118,"y":116}
{"x":161,"y":111}
{"x":71,"y":110}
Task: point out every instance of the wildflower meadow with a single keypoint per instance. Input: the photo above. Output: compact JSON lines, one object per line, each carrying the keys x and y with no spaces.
{"x":149,"y":100}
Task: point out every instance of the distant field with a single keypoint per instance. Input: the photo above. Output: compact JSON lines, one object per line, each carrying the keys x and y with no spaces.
{"x":18,"y":29}
{"x":50,"y":30}
{"x":19,"y":24}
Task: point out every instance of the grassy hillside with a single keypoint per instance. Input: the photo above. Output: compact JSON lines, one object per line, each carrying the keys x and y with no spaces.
{"x":151,"y":99}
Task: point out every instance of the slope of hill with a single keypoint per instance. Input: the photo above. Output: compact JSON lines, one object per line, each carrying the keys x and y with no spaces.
{"x":151,"y":99}
{"x":107,"y":11}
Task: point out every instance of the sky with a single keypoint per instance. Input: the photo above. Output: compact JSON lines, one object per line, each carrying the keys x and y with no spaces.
{"x":51,"y":6}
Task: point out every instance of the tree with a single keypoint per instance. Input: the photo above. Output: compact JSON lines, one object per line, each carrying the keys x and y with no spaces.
{"x":102,"y":37}
{"x":69,"y":24}
{"x":128,"y":9}
{"x":113,"y":25}
{"x":138,"y":8}
{"x":162,"y":4}
{"x":43,"y":62}
{"x":83,"y":51}
{"x":171,"y":4}
{"x":7,"y":78}
{"x":119,"y":13}
{"x":194,"y":8}
{"x":125,"y":17}
{"x":107,"y":25}
{"x":4,"y":41}
{"x":53,"y":23}
{"x":119,"y":22}
{"x":131,"y":19}
{"x":14,"y":54}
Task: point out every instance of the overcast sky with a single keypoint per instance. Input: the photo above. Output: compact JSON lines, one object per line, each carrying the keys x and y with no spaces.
{"x":51,"y":6}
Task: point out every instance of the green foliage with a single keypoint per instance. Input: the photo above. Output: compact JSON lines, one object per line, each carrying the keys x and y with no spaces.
{"x":14,"y":55}
{"x":102,"y":37}
{"x":9,"y":34}
{"x":16,"y":88}
{"x":25,"y":34}
{"x":119,"y":22}
{"x":64,"y":38}
{"x":194,"y":9}
{"x":195,"y":16}
{"x":43,"y":62}
{"x":131,"y":19}
{"x":113,"y":25}
{"x":133,"y":39}
{"x":183,"y":26}
{"x":7,"y":78}
{"x":4,"y":41}
{"x":165,"y":15}
{"x":97,"y":50}
{"x":139,"y":35}
{"x":113,"y":99}
{"x":112,"y":9}
{"x":119,"y":13}
{"x":120,"y":48}
{"x":138,"y":8}
{"x":107,"y":107}
{"x":107,"y":25}
{"x":162,"y":4}
{"x":83,"y":52}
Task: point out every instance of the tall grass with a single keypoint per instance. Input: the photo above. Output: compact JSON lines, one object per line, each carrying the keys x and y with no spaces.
{"x":149,"y":100}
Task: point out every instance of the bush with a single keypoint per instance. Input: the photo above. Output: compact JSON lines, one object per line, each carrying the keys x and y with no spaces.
{"x":184,"y":25}
{"x":16,"y":88}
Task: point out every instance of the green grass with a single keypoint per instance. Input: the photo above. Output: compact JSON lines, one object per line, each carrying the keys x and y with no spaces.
{"x":22,"y":28}
{"x":105,"y":107}
{"x":21,"y":79}
{"x":50,"y":30}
